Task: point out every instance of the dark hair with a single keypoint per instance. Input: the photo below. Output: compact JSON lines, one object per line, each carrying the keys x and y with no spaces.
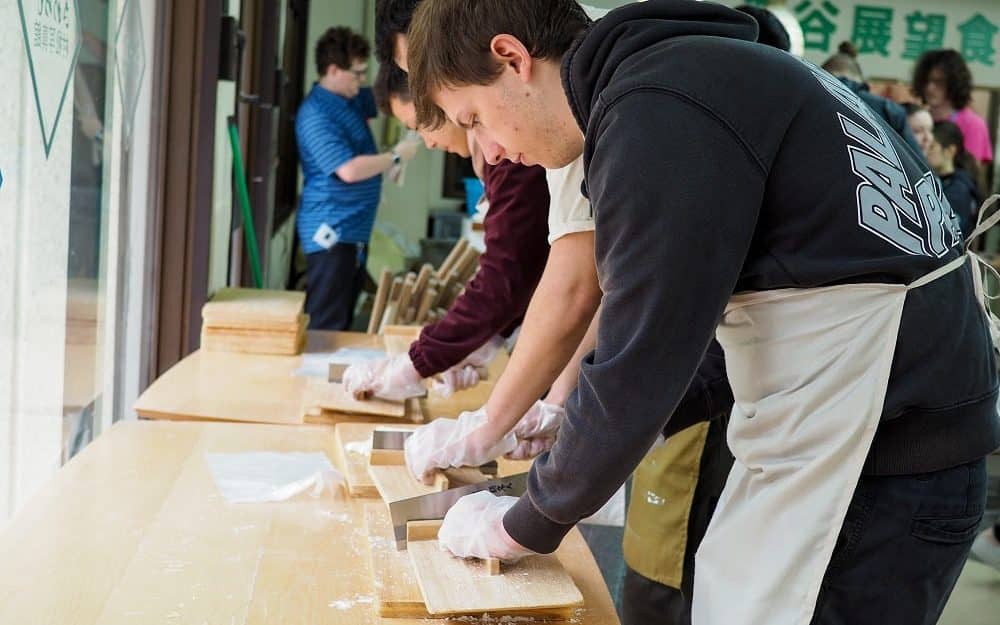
{"x":957,"y":77}
{"x":391,"y":82}
{"x":848,"y":48}
{"x":912,"y":107}
{"x":392,"y":17}
{"x":449,"y":42}
{"x":845,"y":63}
{"x":340,"y":46}
{"x":771,"y":32}
{"x":949,"y":134}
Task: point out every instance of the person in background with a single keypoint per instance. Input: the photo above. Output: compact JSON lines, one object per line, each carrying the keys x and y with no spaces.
{"x":343,"y":178}
{"x":844,"y":65}
{"x":771,"y":31}
{"x":943,"y":81}
{"x":921,"y":124}
{"x":958,"y":172}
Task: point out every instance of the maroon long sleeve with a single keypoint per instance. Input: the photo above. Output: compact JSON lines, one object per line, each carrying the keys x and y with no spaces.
{"x":495,"y":301}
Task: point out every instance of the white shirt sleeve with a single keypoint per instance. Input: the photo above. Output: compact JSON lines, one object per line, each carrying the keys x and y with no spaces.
{"x":569,"y":211}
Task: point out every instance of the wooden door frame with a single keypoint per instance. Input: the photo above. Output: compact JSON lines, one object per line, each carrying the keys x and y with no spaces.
{"x":183,"y":163}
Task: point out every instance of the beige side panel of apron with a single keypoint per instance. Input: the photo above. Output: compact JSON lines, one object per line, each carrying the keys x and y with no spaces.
{"x":663,"y":486}
{"x":809,"y":370}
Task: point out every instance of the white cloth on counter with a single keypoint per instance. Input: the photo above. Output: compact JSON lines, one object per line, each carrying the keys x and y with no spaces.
{"x":266,"y":476}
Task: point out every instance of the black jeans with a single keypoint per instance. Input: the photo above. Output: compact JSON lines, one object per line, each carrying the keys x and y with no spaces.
{"x":900,"y":551}
{"x":334,"y":278}
{"x":902,"y":547}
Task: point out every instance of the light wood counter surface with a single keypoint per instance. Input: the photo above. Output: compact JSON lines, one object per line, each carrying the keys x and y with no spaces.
{"x":227,"y":386}
{"x":133,"y":532}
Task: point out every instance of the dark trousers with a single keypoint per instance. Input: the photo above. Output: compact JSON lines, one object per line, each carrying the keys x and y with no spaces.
{"x":900,"y":551}
{"x":902,"y":547}
{"x":334,"y":278}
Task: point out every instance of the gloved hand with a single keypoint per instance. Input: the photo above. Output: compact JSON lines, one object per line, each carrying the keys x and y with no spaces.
{"x":458,"y":378}
{"x":486,"y":352}
{"x":407,"y":147}
{"x":392,"y":378}
{"x":473,"y":528}
{"x":464,"y":374}
{"x":537,"y":429}
{"x":464,"y":442}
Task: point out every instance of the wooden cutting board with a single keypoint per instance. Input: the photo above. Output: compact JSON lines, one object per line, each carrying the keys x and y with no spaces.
{"x":333,"y":397}
{"x":536,"y":586}
{"x":393,"y":481}
{"x":236,"y":307}
{"x":354,"y":449}
{"x":397,"y":587}
{"x":397,"y":593}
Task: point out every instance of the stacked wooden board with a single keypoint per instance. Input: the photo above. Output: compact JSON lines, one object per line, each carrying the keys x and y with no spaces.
{"x":420,"y":298}
{"x":254,"y":321}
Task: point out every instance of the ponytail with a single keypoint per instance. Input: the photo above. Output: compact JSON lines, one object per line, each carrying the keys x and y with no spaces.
{"x":948,"y":134}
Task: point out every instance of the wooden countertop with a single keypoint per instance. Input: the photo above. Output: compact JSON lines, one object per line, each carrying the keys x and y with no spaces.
{"x":133,"y":532}
{"x":227,"y":386}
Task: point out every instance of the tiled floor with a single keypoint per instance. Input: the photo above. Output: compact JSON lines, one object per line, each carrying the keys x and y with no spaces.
{"x":976,"y":599}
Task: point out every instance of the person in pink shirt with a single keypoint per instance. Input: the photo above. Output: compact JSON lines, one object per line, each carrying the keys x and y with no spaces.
{"x":943,"y":80}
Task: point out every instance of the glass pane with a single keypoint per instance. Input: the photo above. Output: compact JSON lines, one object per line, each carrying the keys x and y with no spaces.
{"x":85,"y":310}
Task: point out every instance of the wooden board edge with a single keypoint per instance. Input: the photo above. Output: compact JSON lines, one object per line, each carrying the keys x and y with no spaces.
{"x":387,"y":609}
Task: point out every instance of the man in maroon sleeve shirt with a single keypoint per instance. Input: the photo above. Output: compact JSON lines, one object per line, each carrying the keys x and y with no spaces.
{"x":494,"y":302}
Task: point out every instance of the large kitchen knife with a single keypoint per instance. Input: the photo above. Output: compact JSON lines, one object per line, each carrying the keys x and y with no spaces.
{"x":436,"y":505}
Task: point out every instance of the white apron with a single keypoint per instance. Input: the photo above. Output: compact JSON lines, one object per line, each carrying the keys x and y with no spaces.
{"x":809,"y":370}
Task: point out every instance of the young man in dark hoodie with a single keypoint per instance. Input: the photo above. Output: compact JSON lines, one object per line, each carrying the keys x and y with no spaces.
{"x":741,"y":193}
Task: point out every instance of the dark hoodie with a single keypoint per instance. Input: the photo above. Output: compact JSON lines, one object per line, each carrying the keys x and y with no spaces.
{"x":960,"y":189}
{"x":717,"y":166}
{"x":891,"y":112}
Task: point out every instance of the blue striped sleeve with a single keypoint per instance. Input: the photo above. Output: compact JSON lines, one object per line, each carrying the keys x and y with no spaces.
{"x":326,"y":145}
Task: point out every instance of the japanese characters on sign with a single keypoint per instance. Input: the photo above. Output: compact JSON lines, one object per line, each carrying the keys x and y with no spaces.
{"x":890,"y":35}
{"x":50,"y":27}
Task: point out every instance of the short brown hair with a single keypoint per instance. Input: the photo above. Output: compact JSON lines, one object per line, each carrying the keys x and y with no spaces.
{"x":391,"y":82}
{"x":449,"y":42}
{"x":957,"y":77}
{"x":340,"y":46}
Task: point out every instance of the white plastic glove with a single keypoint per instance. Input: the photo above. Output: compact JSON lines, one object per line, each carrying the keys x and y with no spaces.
{"x":486,"y":352}
{"x":537,"y":429}
{"x":473,"y":528}
{"x":464,"y":374}
{"x":462,"y":442}
{"x":458,"y":378}
{"x":392,"y":378}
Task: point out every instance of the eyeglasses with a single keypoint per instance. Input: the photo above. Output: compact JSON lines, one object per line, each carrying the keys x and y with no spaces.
{"x":360,"y":73}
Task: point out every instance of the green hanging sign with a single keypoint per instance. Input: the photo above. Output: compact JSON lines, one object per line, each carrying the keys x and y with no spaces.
{"x":891,"y":35}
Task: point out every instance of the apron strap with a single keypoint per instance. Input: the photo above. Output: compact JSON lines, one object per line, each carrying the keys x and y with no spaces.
{"x":937,"y":273}
{"x":980,"y":267}
{"x":982,"y":225}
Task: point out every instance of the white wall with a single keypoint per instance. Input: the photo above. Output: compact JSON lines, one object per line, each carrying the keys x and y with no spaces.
{"x":34,"y":218}
{"x":34,"y":243}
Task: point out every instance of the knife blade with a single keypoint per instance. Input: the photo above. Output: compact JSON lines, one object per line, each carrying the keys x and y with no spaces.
{"x":436,"y":505}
